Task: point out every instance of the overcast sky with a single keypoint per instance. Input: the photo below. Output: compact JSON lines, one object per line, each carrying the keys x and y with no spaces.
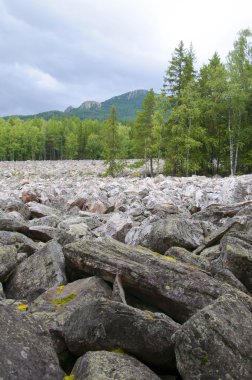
{"x":56,"y":53}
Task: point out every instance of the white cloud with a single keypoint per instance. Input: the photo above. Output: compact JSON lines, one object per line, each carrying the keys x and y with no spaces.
{"x":67,"y":51}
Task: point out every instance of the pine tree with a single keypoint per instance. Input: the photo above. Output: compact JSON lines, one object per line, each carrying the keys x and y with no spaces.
{"x":144,"y":136}
{"x":112,"y":143}
{"x":179,"y":72}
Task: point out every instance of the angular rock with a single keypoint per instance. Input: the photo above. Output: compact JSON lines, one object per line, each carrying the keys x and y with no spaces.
{"x":104,"y":324}
{"x":21,"y":242}
{"x":29,"y":196}
{"x":26,"y":349}
{"x":57,"y":304}
{"x":163,"y":234}
{"x":110,"y":365}
{"x":224,"y":275}
{"x":175,"y":288}
{"x":65,"y":299}
{"x":14,"y":205}
{"x":215,"y":212}
{"x":118,"y":226}
{"x":38,"y":210}
{"x":43,"y":233}
{"x":216,"y":342}
{"x":2,"y":295}
{"x":50,"y":221}
{"x":9,"y":259}
{"x":37,"y":273}
{"x":11,"y":224}
{"x":211,"y":253}
{"x":236,"y":255}
{"x":187,"y":257}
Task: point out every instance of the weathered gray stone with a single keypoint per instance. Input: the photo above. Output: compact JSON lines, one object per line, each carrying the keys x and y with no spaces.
{"x":215,"y":212}
{"x":106,"y":365}
{"x":211,"y":253}
{"x":163,"y":234}
{"x":50,"y":221}
{"x":55,"y":306}
{"x":2,"y":295}
{"x":117,"y":226}
{"x":39,"y":210}
{"x":216,"y":342}
{"x":12,"y":224}
{"x":236,"y":255}
{"x":175,"y":288}
{"x":37,"y":273}
{"x":181,"y":254}
{"x":8,"y":261}
{"x":26,"y":349}
{"x":20,"y":241}
{"x":104,"y":324}
{"x":65,"y":299}
{"x":43,"y":233}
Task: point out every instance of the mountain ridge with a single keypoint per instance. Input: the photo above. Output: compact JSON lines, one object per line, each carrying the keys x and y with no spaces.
{"x":127,"y":104}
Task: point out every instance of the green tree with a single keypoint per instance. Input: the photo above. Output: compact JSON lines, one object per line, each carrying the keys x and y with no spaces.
{"x":212,"y":86}
{"x":239,"y":64}
{"x":179,"y":72}
{"x":111,"y":147}
{"x":144,"y":132}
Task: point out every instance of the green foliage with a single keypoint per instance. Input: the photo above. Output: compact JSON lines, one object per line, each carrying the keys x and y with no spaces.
{"x":201,"y":123}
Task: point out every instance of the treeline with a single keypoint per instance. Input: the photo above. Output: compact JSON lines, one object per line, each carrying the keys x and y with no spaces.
{"x":68,"y":138}
{"x":201,"y":122}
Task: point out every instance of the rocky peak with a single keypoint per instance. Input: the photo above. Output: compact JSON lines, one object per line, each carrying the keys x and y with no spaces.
{"x":90,"y":104}
{"x":68,"y":109}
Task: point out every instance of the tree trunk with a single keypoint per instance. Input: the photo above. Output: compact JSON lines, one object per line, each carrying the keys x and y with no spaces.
{"x":231,"y":145}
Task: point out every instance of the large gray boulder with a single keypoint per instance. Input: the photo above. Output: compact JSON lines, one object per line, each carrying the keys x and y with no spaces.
{"x":55,"y":306}
{"x":216,"y":342}
{"x":236,"y":256}
{"x":9,"y":259}
{"x":26,"y":349}
{"x":8,"y":223}
{"x":163,"y":234}
{"x":176,"y":288}
{"x":37,"y":273}
{"x":110,"y":365}
{"x":39,"y":210}
{"x":20,"y":241}
{"x":106,"y":325}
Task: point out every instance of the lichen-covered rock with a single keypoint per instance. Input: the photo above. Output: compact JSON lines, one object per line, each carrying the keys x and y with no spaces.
{"x":216,"y":342}
{"x":8,"y":223}
{"x":37,"y":273}
{"x":176,"y":288}
{"x":106,"y":365}
{"x":105,"y":325}
{"x":236,"y":255}
{"x":55,"y":306}
{"x":26,"y":348}
{"x":21,"y":242}
{"x":185,"y":256}
{"x":163,"y":234}
{"x":9,"y":259}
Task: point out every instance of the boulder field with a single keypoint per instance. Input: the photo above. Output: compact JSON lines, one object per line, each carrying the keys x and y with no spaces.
{"x":123,"y":278}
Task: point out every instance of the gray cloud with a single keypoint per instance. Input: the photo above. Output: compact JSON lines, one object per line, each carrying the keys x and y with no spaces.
{"x":60,"y":52}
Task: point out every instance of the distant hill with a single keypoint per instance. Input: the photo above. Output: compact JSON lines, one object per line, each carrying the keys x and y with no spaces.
{"x":126,"y":106}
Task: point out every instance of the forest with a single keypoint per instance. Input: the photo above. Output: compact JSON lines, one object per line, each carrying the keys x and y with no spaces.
{"x":200,"y":123}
